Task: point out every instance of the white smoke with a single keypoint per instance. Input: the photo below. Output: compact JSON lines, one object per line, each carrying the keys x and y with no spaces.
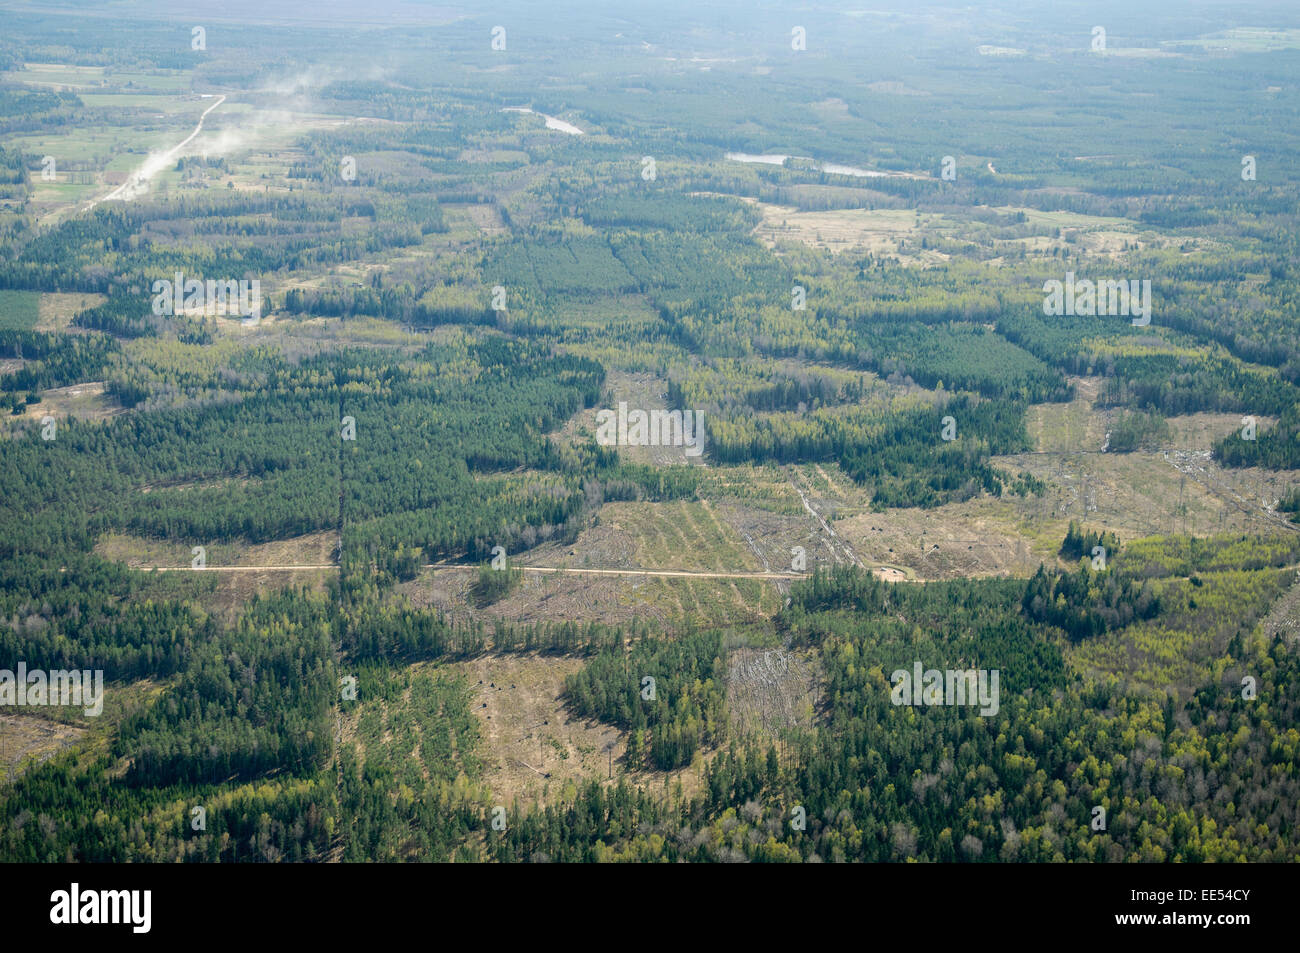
{"x":295,"y":94}
{"x":137,"y":183}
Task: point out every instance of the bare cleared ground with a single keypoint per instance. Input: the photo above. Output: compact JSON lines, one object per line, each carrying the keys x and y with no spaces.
{"x":532,"y":745}
{"x":1284,"y":618}
{"x":33,"y":740}
{"x":484,"y":217}
{"x":1152,"y":493}
{"x":1202,"y":431}
{"x":666,"y":601}
{"x":80,"y":401}
{"x":230,"y":591}
{"x":312,"y":549}
{"x":756,"y":519}
{"x":1078,"y":427}
{"x":977,"y":538}
{"x":1133,"y":494}
{"x":770,"y":691}
{"x":1072,"y":426}
{"x":639,"y":391}
{"x":878,"y":231}
{"x":982,"y":536}
{"x":58,"y":308}
{"x":881,"y":230}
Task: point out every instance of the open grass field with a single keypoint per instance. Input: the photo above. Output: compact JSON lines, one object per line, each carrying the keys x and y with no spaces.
{"x":19,"y":310}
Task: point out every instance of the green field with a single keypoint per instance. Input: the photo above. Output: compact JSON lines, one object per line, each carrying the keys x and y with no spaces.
{"x":19,"y":310}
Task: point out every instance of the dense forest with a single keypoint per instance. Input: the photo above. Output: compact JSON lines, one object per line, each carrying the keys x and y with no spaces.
{"x":1183,"y":774}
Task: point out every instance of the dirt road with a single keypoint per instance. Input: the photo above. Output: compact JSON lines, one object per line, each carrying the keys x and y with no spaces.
{"x":139,"y":179}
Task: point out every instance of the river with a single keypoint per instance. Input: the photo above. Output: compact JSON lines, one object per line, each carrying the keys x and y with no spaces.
{"x":551,"y":122}
{"x":830,"y":168}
